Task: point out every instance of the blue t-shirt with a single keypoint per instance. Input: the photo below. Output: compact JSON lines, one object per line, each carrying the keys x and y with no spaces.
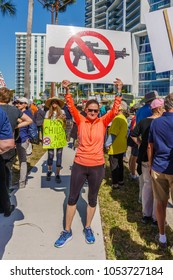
{"x":143,"y":112}
{"x":5,"y":126}
{"x":161,"y":135}
{"x":24,"y":134}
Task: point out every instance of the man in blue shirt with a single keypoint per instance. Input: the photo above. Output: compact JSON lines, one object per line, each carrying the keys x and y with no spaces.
{"x":145,"y":111}
{"x":6,"y":143}
{"x":160,"y":155}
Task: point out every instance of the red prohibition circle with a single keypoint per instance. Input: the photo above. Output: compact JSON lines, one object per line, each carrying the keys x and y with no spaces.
{"x":46,"y":141}
{"x":102,"y":69}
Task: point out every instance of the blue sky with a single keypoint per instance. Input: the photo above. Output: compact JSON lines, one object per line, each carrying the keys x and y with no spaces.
{"x":74,"y":15}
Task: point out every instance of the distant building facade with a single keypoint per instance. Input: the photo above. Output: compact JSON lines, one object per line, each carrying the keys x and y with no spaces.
{"x":128,"y":15}
{"x":37,"y":66}
{"x":120,"y":15}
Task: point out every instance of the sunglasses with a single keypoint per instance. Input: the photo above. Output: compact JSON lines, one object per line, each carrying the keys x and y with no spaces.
{"x":21,"y":103}
{"x":93,"y":110}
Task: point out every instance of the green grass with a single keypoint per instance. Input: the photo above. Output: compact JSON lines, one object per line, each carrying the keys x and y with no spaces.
{"x":124,"y":235}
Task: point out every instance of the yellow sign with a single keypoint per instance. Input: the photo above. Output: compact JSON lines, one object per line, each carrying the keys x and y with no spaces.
{"x":54,"y":135}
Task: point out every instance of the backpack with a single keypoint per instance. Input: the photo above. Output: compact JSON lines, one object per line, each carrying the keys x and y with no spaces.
{"x":33,"y":133}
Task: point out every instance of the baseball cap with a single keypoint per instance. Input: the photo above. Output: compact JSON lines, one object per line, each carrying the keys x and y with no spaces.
{"x":23,"y":100}
{"x":158,"y":102}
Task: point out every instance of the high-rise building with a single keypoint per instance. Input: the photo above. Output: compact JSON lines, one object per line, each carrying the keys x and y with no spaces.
{"x":128,"y":15}
{"x":37,"y":65}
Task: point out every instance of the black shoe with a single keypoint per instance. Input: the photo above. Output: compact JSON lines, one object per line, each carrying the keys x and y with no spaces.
{"x":146,"y":220}
{"x":58,"y":179}
{"x":49,"y":173}
{"x":8,"y":212}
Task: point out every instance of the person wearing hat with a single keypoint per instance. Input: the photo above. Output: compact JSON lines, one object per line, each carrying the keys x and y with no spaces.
{"x":145,"y":111}
{"x":116,"y":144}
{"x":160,"y":158}
{"x":55,"y":112}
{"x":23,"y":145}
{"x":140,"y":136}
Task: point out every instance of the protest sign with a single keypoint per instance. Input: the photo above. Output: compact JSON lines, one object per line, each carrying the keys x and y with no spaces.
{"x":53,"y":134}
{"x":160,"y":31}
{"x":87,"y":55}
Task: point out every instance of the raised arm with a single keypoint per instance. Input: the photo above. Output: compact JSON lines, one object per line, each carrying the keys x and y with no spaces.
{"x":107,"y":118}
{"x":70,"y":103}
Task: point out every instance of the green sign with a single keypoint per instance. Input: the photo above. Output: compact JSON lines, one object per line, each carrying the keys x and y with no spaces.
{"x":54,"y":135}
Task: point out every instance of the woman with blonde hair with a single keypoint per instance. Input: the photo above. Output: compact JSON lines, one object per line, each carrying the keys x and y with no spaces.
{"x":55,"y":113}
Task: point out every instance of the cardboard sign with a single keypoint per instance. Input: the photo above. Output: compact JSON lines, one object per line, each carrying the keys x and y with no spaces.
{"x":160,"y":31}
{"x":87,"y":55}
{"x":54,"y":135}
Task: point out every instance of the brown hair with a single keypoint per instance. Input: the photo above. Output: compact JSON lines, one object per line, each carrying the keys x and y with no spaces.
{"x":91,"y":101}
{"x":5,"y":95}
{"x":59,"y":114}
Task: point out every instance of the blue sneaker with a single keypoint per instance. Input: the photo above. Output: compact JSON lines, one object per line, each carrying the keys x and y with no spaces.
{"x":89,"y":236}
{"x":65,"y":236}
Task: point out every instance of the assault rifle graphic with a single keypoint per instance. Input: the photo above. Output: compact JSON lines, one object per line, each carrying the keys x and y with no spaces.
{"x":55,"y":54}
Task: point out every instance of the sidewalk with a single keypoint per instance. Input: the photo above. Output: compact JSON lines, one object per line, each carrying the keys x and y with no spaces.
{"x":31,"y":230}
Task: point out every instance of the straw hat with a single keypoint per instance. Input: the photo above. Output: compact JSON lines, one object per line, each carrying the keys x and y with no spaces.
{"x":49,"y":101}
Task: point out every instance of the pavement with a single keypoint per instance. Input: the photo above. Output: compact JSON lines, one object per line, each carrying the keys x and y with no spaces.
{"x":31,"y":230}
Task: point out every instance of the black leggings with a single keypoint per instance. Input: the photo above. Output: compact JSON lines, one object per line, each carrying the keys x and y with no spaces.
{"x":94,"y":175}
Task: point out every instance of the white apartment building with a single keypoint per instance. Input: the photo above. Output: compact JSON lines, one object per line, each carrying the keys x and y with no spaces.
{"x":37,"y":72}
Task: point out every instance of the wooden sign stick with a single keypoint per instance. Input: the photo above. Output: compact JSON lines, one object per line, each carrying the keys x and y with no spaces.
{"x":168,"y":27}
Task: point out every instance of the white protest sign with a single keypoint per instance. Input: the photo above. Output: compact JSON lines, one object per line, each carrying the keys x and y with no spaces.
{"x":160,"y":29}
{"x":87,"y":55}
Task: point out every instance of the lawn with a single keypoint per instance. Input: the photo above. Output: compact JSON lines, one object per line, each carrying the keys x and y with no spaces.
{"x":126,"y":238}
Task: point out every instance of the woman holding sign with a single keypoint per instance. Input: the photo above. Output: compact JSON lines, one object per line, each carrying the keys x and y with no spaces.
{"x":89,"y":160}
{"x":55,"y":113}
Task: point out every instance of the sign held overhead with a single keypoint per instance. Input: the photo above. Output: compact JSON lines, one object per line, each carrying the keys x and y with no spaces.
{"x":85,"y":54}
{"x":160,"y":31}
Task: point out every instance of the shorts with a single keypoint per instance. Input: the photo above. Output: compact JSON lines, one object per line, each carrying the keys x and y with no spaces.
{"x":162,"y":184}
{"x":135,"y":151}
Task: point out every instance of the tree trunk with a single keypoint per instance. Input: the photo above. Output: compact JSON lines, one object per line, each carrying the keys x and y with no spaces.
{"x":28,"y":50}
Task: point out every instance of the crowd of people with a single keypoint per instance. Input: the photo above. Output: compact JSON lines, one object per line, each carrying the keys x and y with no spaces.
{"x":95,"y":128}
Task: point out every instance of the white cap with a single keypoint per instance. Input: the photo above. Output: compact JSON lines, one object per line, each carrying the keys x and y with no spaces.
{"x":23,"y":100}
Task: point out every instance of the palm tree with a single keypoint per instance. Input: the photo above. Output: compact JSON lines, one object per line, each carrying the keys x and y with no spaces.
{"x":28,"y":50}
{"x":55,"y":6}
{"x":7,"y":7}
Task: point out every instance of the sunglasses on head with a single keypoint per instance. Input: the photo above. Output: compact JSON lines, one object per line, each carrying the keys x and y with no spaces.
{"x":93,"y":110}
